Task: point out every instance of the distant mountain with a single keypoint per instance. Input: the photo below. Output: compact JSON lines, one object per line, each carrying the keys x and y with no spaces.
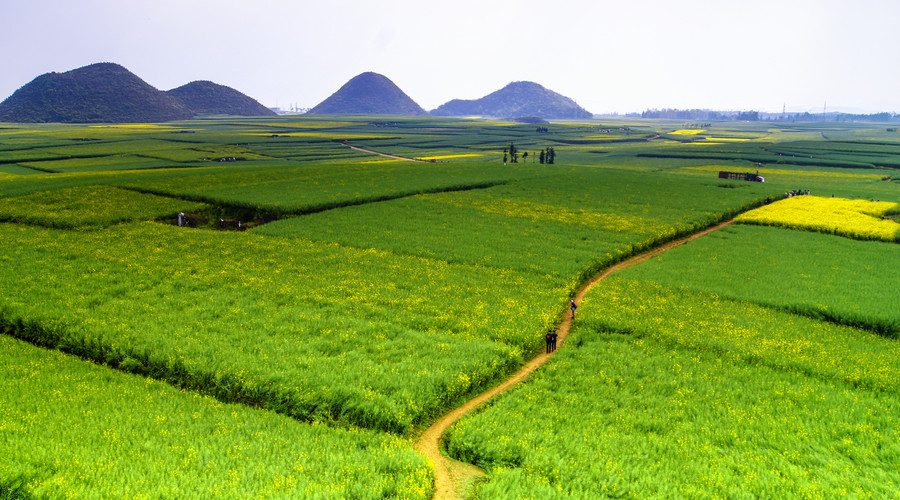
{"x":369,"y":93}
{"x":103,"y":92}
{"x":203,"y":97}
{"x":515,"y":100}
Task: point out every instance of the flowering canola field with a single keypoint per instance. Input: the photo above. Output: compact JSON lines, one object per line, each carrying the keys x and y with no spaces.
{"x":854,"y":218}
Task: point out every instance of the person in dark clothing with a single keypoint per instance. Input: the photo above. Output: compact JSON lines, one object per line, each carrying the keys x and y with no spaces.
{"x":549,"y":339}
{"x":573,"y":306}
{"x":553,"y":336}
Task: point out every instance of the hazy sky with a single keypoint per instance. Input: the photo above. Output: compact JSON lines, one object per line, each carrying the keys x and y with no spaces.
{"x":608,"y":56}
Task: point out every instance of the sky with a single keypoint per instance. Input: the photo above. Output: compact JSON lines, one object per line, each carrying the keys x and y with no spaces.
{"x":609,"y":56}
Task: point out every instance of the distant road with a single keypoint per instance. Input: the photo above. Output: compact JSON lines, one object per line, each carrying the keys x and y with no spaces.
{"x":382,"y":154}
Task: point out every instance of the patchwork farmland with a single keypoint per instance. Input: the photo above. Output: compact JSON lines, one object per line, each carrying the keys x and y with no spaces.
{"x":253,"y":308}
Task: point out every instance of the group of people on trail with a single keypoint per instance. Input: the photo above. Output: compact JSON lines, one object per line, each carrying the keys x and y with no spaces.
{"x":796,"y":192}
{"x":551,"y":340}
{"x":552,"y":335}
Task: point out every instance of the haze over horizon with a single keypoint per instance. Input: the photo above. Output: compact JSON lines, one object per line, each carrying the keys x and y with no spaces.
{"x":607,"y":56}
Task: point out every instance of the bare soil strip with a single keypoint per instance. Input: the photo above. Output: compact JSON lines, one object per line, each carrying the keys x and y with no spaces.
{"x":451,"y":476}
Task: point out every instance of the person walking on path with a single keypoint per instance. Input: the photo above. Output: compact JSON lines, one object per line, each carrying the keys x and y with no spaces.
{"x":573,"y":306}
{"x":549,"y":339}
{"x":553,"y":336}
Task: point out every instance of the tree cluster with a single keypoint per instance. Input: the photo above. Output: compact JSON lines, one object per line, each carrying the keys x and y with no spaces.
{"x":511,"y":154}
{"x":547,"y":156}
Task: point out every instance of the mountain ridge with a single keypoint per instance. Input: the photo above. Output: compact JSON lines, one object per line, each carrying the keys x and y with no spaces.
{"x":516,"y":99}
{"x":206,"y":97}
{"x":369,"y":93}
{"x":97,"y":93}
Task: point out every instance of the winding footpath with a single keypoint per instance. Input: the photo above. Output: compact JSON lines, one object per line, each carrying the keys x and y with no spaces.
{"x":449,"y":475}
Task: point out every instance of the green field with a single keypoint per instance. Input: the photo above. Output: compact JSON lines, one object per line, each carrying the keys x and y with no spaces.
{"x":711,"y":385}
{"x":821,"y":276}
{"x":71,"y":429}
{"x":356,"y":298}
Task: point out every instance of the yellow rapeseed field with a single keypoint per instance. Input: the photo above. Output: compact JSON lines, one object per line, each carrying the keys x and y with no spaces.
{"x":445,"y":157}
{"x":137,"y":126}
{"x":304,"y":124}
{"x":854,"y":218}
{"x":325,"y":135}
{"x":548,"y":212}
{"x":786,"y":172}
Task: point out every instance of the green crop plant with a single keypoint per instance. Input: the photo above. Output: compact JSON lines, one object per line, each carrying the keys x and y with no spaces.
{"x":392,"y":290}
{"x":630,"y":415}
{"x":89,"y":206}
{"x":822,"y":276}
{"x":72,"y":429}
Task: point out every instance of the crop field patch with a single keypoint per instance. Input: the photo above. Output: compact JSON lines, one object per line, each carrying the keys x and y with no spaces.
{"x":758,"y":334}
{"x":827,"y":277}
{"x":797,"y":173}
{"x":331,"y":136}
{"x":565,"y":223}
{"x":78,"y":430}
{"x":862,"y":219}
{"x":89,"y":206}
{"x":630,"y":416}
{"x":304,"y":188}
{"x":102,"y":163}
{"x":414,"y":333}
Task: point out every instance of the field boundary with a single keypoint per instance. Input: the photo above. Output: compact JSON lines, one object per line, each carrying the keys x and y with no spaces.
{"x":450,"y":475}
{"x":276,"y":213}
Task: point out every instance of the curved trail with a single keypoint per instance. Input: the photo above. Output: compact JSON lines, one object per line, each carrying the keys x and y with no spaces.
{"x":450,"y":475}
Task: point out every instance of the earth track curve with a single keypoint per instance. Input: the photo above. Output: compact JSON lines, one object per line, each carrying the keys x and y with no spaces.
{"x":450,"y":475}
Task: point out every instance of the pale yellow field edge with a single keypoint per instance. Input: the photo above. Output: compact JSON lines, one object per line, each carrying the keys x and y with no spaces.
{"x":450,"y":475}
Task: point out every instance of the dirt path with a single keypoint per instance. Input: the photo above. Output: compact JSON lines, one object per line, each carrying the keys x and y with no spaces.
{"x":452,"y":477}
{"x":382,"y":154}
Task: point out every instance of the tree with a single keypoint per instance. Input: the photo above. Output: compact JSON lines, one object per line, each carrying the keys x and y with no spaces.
{"x":542,"y":157}
{"x":525,"y":157}
{"x":513,"y":153}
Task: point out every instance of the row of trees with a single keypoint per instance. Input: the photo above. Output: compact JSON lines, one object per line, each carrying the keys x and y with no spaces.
{"x":700,"y":114}
{"x":547,"y":155}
